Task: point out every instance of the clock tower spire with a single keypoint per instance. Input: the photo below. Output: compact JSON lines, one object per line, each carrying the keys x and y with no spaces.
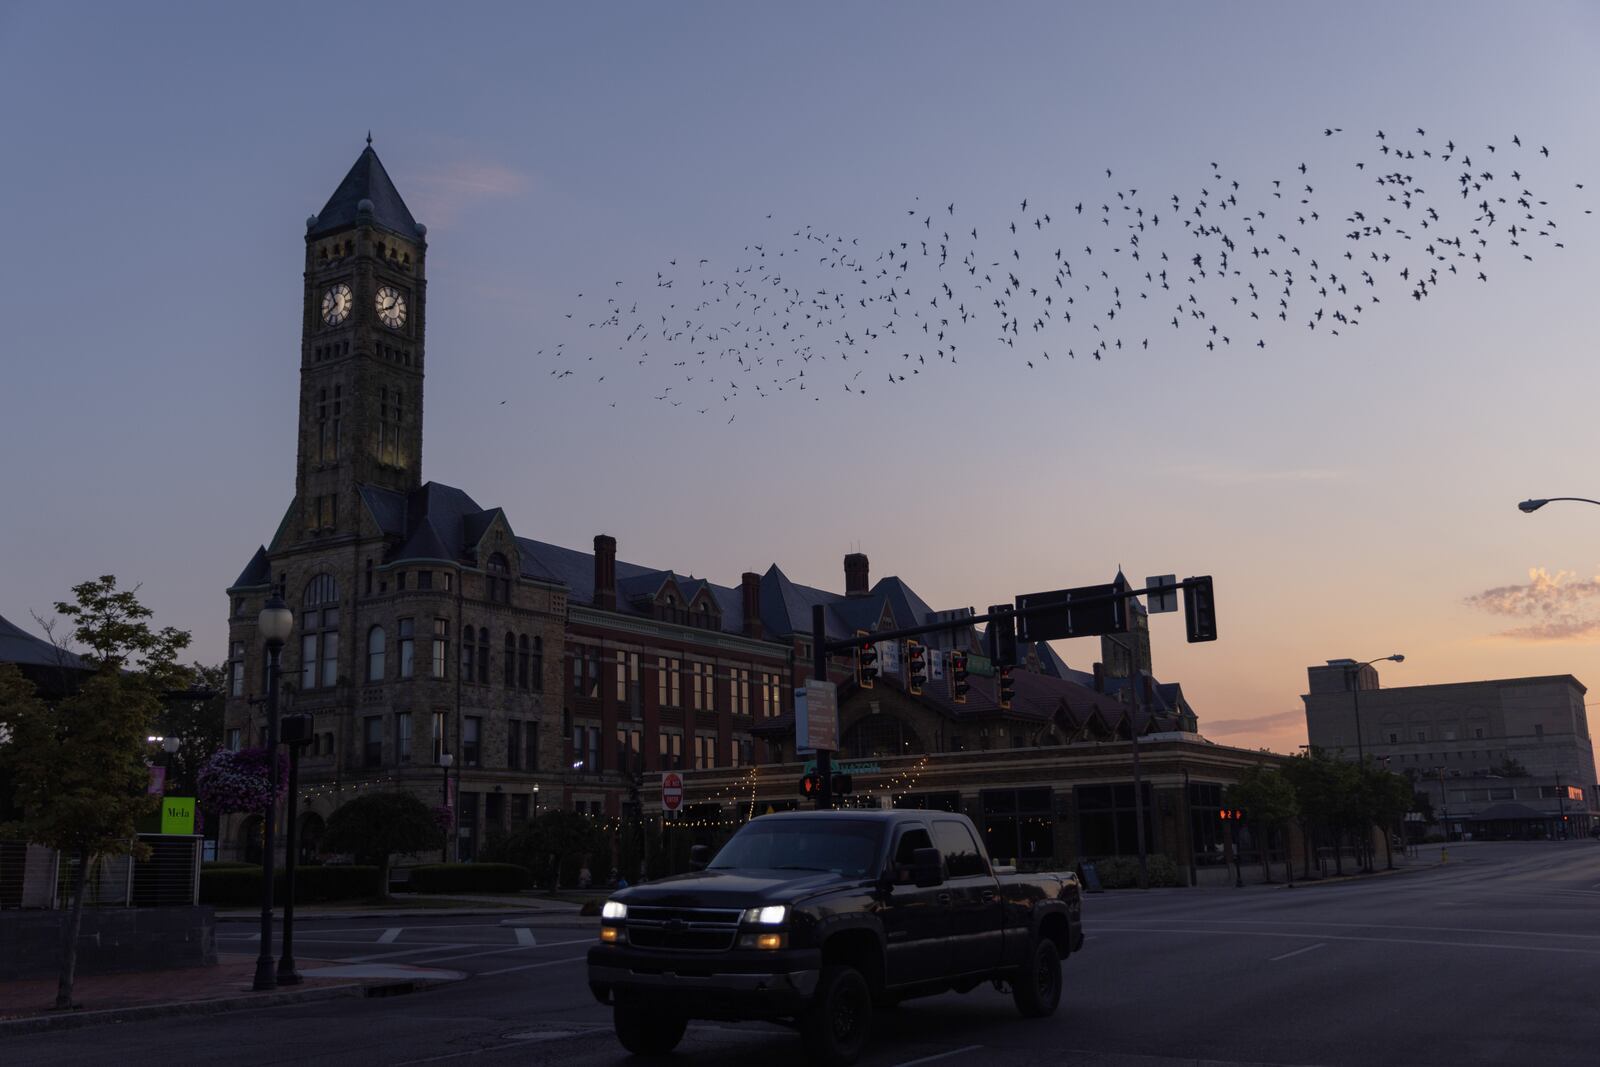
{"x":361,"y":352}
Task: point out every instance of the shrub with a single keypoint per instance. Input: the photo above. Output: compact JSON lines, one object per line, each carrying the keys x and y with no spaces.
{"x":241,"y":886}
{"x":1122,"y":872}
{"x":468,"y":877}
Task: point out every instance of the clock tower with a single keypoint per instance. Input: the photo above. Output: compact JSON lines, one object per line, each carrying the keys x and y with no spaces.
{"x":361,"y":353}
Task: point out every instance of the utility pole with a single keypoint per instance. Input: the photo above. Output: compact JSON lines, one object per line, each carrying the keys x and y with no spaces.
{"x":819,"y":671}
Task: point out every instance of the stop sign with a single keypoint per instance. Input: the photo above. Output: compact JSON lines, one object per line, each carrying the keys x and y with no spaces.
{"x":671,"y":791}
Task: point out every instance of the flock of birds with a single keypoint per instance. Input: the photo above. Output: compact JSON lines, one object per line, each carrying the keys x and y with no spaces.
{"x":1226,"y":262}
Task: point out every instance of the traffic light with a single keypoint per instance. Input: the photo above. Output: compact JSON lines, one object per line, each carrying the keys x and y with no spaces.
{"x":866,"y":660}
{"x":958,"y":677}
{"x":811,"y":785}
{"x":843,"y":785}
{"x":1200,"y":610}
{"x":1002,"y":636}
{"x":1008,"y":689}
{"x":916,"y":667}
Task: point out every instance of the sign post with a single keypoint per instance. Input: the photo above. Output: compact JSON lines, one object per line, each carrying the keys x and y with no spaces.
{"x":671,"y":791}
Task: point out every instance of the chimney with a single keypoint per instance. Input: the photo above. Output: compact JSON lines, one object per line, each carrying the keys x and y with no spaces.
{"x":855,"y":574}
{"x":750,"y":585}
{"x":1099,"y":677}
{"x":605,"y":572}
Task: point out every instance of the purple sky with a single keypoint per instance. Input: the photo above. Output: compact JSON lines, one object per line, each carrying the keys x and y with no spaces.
{"x":1353,"y":495}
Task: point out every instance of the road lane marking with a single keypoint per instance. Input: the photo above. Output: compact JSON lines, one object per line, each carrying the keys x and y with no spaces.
{"x":939,"y":1056}
{"x":531,"y":966}
{"x":1296,"y":952}
{"x":525,"y":936}
{"x":1376,"y":926}
{"x":1374,"y":940}
{"x":389,"y":935}
{"x":377,"y":956}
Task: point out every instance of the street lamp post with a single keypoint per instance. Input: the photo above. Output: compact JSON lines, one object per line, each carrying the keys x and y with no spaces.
{"x":1355,"y":697}
{"x":273,"y":624}
{"x":445,"y":761}
{"x":297,"y":735}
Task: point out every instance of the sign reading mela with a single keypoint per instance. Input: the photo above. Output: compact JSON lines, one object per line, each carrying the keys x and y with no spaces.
{"x":177,"y":815}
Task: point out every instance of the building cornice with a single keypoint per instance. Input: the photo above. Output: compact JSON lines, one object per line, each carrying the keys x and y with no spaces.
{"x":581,"y":615}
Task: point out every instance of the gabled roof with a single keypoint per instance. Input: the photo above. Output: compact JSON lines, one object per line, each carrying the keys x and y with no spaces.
{"x":22,"y":648}
{"x":256,"y":573}
{"x":367,"y":180}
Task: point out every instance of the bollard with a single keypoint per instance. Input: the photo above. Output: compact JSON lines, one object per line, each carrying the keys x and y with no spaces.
{"x":1444,"y":855}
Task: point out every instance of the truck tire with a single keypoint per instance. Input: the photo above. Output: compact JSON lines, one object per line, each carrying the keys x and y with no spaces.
{"x":645,"y":1032}
{"x":1037,"y":989}
{"x":835,"y":1027}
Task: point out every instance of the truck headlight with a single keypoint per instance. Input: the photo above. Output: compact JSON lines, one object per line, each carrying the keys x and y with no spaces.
{"x":768,"y":916}
{"x":614,"y":909}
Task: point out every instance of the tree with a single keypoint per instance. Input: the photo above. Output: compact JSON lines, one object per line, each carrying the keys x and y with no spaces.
{"x":1387,"y":797}
{"x":193,"y":715}
{"x":78,"y":767}
{"x":377,"y":826}
{"x":1269,"y":802}
{"x":545,"y":844}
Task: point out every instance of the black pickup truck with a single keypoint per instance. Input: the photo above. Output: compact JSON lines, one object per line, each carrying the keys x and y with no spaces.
{"x":818,"y":917}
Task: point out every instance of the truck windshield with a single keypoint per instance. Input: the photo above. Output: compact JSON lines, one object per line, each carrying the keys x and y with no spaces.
{"x":846,"y":847}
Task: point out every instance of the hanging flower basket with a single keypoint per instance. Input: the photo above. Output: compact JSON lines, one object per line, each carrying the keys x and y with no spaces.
{"x":238,"y":781}
{"x":445,"y":816}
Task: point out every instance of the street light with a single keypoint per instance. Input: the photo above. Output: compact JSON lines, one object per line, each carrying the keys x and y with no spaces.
{"x":273,"y":624}
{"x":445,"y":761}
{"x":1528,"y":507}
{"x":1355,"y":697}
{"x":536,"y":798}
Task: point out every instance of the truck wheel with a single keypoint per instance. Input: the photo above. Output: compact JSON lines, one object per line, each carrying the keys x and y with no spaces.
{"x":1037,"y":989}
{"x":644,"y":1032}
{"x":835,"y":1028}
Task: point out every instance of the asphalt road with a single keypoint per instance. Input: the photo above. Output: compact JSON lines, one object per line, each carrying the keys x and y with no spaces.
{"x":1491,"y":959}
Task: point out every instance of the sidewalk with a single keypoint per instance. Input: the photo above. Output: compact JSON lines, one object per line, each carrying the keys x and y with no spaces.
{"x":528,"y":910}
{"x":26,"y":1006}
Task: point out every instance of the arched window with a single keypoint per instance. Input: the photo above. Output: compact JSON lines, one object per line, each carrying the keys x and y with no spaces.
{"x":483,"y":655}
{"x":319,"y":633}
{"x":468,"y":653}
{"x":509,"y":667}
{"x":522,"y":662}
{"x":375,"y":654}
{"x":499,"y":583}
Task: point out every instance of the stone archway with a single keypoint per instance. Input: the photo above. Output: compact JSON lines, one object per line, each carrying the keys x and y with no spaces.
{"x":250,"y":844}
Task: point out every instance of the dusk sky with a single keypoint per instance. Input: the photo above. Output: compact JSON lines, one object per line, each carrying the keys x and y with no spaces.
{"x":1353,"y":495}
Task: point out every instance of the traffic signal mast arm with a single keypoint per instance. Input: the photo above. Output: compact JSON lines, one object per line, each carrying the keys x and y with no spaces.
{"x":851,"y":644}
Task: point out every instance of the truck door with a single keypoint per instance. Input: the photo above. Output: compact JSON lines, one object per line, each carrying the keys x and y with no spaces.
{"x":914,"y":918}
{"x":973,"y":898}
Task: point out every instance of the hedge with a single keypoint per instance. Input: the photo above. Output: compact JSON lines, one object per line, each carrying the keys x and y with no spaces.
{"x":468,"y":878}
{"x":241,"y":886}
{"x":1122,"y":872}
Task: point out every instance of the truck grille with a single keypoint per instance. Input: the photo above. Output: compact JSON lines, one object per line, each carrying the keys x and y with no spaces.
{"x":691,"y":929}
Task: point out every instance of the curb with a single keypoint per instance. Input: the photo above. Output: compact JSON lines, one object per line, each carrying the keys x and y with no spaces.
{"x":70,"y":1021}
{"x":399,"y":913}
{"x":1345,"y":879}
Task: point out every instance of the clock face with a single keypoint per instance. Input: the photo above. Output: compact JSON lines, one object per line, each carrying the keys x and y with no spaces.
{"x":336,"y":304}
{"x":391,"y":307}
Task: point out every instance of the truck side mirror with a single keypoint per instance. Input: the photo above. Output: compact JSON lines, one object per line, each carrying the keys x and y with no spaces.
{"x":927,"y":868}
{"x":699,"y":857}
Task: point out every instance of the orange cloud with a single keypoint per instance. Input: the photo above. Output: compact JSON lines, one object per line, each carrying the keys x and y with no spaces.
{"x":1259,"y":722}
{"x":1557,"y":607}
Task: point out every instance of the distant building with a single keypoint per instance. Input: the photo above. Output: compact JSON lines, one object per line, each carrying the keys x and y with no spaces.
{"x":55,"y":671}
{"x":1509,"y":757}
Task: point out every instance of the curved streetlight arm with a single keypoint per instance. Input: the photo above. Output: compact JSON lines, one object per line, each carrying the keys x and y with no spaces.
{"x":1530,"y":506}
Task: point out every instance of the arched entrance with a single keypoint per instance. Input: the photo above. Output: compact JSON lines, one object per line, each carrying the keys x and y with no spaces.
{"x":309,"y":844}
{"x":250,"y":845}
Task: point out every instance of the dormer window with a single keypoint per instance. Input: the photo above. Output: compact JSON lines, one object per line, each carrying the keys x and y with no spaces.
{"x":499,"y":579}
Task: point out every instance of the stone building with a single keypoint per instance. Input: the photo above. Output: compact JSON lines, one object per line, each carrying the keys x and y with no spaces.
{"x":1508,"y":757}
{"x":423,"y":625}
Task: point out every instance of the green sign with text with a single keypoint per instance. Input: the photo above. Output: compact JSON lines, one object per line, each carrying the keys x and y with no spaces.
{"x":177,"y":815}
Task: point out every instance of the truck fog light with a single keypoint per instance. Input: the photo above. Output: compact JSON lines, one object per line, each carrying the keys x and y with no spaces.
{"x":767,"y":941}
{"x":610,"y":934}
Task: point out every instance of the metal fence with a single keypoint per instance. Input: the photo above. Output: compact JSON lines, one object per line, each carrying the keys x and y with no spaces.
{"x":35,"y":877}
